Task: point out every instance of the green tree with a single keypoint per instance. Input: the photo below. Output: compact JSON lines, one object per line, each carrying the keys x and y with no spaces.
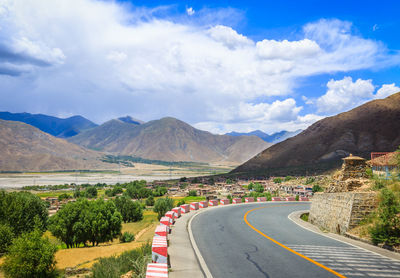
{"x":160,"y":191}
{"x":229,"y":181}
{"x":288,"y":178}
{"x":150,"y":201}
{"x":130,"y":211}
{"x":64,"y":196}
{"x":30,"y":255}
{"x":22,"y":211}
{"x":6,"y":238}
{"x":163,"y":205}
{"x":386,"y":229}
{"x":77,"y":193}
{"x":91,"y":192}
{"x":258,"y":188}
{"x":250,"y":186}
{"x":193,"y":193}
{"x":277,"y":180}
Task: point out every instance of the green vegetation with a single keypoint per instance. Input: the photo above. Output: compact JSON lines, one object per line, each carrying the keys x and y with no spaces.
{"x":91,"y":192}
{"x":86,"y":221}
{"x":127,"y":237}
{"x":30,"y":255}
{"x":129,"y":160}
{"x":64,"y":196}
{"x":162,"y":206}
{"x":386,"y":228}
{"x":180,"y":202}
{"x":297,"y":197}
{"x":317,"y":188}
{"x":277,"y":180}
{"x":131,"y":211}
{"x":310,"y":180}
{"x":288,"y":178}
{"x":150,"y":201}
{"x":22,"y":212}
{"x":305,"y":216}
{"x":258,"y":188}
{"x":6,"y":238}
{"x":135,"y":260}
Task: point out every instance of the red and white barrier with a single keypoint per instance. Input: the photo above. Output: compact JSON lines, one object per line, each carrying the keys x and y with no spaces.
{"x":275,"y":199}
{"x":248,"y":199}
{"x":157,"y":271}
{"x":171,"y":216}
{"x":159,"y":250}
{"x":304,"y":199}
{"x":236,"y":200}
{"x":161,"y":230}
{"x":291,"y":199}
{"x":194,"y":206}
{"x":177,"y":212}
{"x":203,"y":204}
{"x":261,"y":199}
{"x":213,"y":203}
{"x":165,"y":221}
{"x":185,"y":209}
{"x":225,"y":202}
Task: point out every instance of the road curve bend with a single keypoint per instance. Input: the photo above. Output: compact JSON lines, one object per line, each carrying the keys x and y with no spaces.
{"x":258,"y":240}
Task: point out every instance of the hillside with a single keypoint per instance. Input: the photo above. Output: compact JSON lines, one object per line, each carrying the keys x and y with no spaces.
{"x":26,"y":148}
{"x":169,"y":139}
{"x":373,"y":126}
{"x":55,"y":126}
{"x":270,"y":138}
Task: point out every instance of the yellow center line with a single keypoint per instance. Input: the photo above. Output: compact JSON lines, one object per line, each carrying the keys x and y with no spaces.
{"x":287,"y":248}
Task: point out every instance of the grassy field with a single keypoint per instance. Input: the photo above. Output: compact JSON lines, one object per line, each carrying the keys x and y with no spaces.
{"x":189,"y":199}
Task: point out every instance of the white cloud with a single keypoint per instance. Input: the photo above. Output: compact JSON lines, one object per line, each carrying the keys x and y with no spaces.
{"x":387,"y":90}
{"x":344,"y":95}
{"x":105,"y":59}
{"x":190,"y":11}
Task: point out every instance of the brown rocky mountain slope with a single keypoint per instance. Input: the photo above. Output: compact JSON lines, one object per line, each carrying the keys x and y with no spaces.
{"x":374,"y":126}
{"x":169,"y":139}
{"x":26,"y":148}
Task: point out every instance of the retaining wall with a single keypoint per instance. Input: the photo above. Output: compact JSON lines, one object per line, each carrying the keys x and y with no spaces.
{"x":340,"y":212}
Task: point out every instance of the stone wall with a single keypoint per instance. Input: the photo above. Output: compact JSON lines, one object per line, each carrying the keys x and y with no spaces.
{"x":340,"y":212}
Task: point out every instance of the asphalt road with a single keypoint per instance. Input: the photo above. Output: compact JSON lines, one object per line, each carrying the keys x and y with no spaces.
{"x":231,"y":248}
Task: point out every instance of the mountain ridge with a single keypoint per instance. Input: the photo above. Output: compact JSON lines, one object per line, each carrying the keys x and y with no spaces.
{"x":270,"y":138}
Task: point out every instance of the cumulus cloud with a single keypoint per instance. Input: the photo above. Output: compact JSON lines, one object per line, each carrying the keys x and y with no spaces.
{"x":190,"y":11}
{"x":343,"y":95}
{"x":387,"y":90}
{"x":104,"y":59}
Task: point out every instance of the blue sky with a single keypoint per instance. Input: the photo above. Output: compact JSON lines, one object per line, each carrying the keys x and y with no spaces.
{"x":220,"y":66}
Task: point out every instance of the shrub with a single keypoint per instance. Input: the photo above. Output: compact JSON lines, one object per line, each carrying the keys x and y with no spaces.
{"x":258,"y":188}
{"x":317,"y":188}
{"x":180,"y":202}
{"x":310,"y":180}
{"x":30,"y":255}
{"x":193,"y":193}
{"x":6,"y":238}
{"x":127,"y":237}
{"x":288,"y":178}
{"x":386,"y":229}
{"x":64,"y":196}
{"x":277,"y":180}
{"x":297,"y":197}
{"x":91,"y":192}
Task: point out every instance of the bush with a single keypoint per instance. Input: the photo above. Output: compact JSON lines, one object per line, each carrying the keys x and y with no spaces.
{"x":310,"y":180}
{"x":193,"y":193}
{"x":277,"y":180}
{"x":180,"y":202}
{"x":127,"y":237}
{"x":150,"y":201}
{"x":288,"y":178}
{"x":386,"y":229}
{"x":30,"y":255}
{"x":297,"y":197}
{"x":91,"y":192}
{"x":163,"y":205}
{"x":317,"y":188}
{"x":6,"y":238}
{"x":64,"y":196}
{"x":258,"y":188}
{"x":135,"y":260}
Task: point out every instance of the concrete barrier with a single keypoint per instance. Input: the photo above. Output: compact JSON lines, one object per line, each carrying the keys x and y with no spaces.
{"x":194,"y":206}
{"x":185,"y":209}
{"x":166,"y":222}
{"x":304,"y":199}
{"x":261,"y":199}
{"x":236,"y":200}
{"x":203,"y":204}
{"x":161,"y":230}
{"x":157,"y":271}
{"x":171,"y":215}
{"x":225,"y":202}
{"x":248,"y":199}
{"x":213,"y":203}
{"x":177,"y":212}
{"x":275,"y":199}
{"x":159,"y":252}
{"x":291,"y":199}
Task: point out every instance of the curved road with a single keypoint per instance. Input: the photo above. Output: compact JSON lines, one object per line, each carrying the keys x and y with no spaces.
{"x":232,"y":248}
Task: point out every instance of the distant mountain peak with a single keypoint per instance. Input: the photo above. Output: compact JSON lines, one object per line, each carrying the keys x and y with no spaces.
{"x":131,"y":120}
{"x":273,"y":138}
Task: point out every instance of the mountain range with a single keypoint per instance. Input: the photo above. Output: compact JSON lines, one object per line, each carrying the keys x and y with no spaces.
{"x":372,"y":127}
{"x":273,"y":138}
{"x":52,"y":125}
{"x":26,"y":148}
{"x":168,"y":139}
